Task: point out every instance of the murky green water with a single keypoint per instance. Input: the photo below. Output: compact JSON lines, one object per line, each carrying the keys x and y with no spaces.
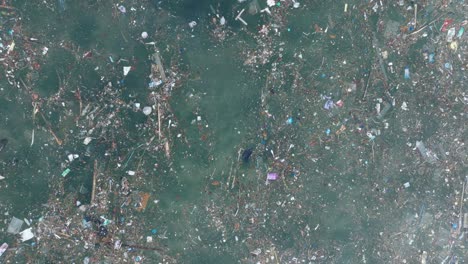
{"x":336,"y":193}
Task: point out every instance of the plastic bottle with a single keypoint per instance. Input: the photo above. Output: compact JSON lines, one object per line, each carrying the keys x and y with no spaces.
{"x":450,"y":34}
{"x":407,"y":73}
{"x":421,"y":148}
{"x":428,"y":155}
{"x":460,"y":32}
{"x":384,"y":111}
{"x":431,"y":58}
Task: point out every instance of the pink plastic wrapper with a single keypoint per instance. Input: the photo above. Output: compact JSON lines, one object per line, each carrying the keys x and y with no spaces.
{"x":272,"y":176}
{"x":3,"y":248}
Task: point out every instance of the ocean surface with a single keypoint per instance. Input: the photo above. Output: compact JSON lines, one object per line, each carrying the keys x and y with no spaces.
{"x":348,"y":187}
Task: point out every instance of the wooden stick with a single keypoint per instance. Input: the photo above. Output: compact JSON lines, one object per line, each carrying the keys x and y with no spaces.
{"x":460,"y":220}
{"x":284,"y":181}
{"x":276,"y":256}
{"x":264,"y":92}
{"x":159,"y":122}
{"x":158,"y":61}
{"x":123,"y":36}
{"x":58,"y":140}
{"x":93,"y":192}
{"x":427,"y":24}
{"x":32,"y":138}
{"x":7,"y":7}
{"x":233,"y":182}
{"x":240,"y":18}
{"x":229,"y":178}
{"x":157,"y":249}
{"x":25,"y":86}
{"x":415,"y":15}
{"x":35,"y":110}
{"x":78,"y":96}
{"x":167,"y":149}
{"x":367,"y":85}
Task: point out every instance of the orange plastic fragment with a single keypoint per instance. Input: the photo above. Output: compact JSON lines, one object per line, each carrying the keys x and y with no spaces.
{"x":144,"y":201}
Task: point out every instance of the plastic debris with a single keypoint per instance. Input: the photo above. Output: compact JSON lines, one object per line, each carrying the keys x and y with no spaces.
{"x":329,"y":104}
{"x":154,"y":84}
{"x":272,"y":176}
{"x":15,"y":226}
{"x":27,"y":234}
{"x":72,"y":157}
{"x":339,"y":103}
{"x":246,"y":154}
{"x":460,"y":32}
{"x":126,"y":70}
{"x":87,"y":140}
{"x":404,"y":106}
{"x":447,"y":22}
{"x":147,"y":110}
{"x":122,"y":9}
{"x":450,"y":34}
{"x":427,"y":154}
{"x":431,"y":58}
{"x":275,"y":111}
{"x":3,"y":248}
{"x":407,"y":73}
{"x":387,"y":106}
{"x":3,"y":143}
{"x":65,"y":172}
{"x":144,"y":198}
{"x":192,"y":24}
{"x":117,"y":244}
{"x":256,"y":252}
{"x":103,"y":231}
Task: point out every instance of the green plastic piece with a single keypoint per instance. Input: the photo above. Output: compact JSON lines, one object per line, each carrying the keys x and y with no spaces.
{"x":65,"y":172}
